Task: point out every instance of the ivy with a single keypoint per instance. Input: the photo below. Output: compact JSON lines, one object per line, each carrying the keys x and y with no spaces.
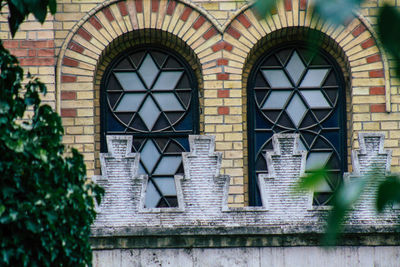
{"x":46,"y":202}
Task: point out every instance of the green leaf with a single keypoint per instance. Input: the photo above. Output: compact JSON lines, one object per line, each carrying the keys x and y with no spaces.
{"x":265,"y":7}
{"x":53,"y":6}
{"x":388,"y":192}
{"x":336,"y":11}
{"x":2,"y":209}
{"x":312,"y":179}
{"x":389,"y":32}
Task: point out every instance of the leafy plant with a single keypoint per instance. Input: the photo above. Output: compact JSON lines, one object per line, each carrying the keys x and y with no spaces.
{"x":18,"y":10}
{"x":46,"y":203}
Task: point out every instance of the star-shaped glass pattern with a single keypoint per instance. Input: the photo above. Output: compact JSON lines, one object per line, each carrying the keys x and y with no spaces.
{"x":298,"y":92}
{"x":149,"y":94}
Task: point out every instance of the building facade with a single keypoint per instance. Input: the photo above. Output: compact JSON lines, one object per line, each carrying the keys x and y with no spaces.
{"x":225,"y":110}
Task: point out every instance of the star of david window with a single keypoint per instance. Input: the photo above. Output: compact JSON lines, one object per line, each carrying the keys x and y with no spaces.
{"x":151,"y":94}
{"x":293,"y":90}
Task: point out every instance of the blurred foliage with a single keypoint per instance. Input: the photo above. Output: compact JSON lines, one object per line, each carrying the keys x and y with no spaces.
{"x":18,"y":10}
{"x":388,"y":30}
{"x":46,"y":202}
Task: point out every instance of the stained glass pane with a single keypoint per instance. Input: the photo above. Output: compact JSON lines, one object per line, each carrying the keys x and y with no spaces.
{"x":315,"y":99}
{"x":168,"y":165}
{"x":166,"y":185}
{"x":314,"y":78}
{"x":295,"y":67}
{"x":276,"y":100}
{"x":130,"y":102}
{"x":276,"y":78}
{"x":149,"y":155}
{"x":296,"y":109}
{"x":148,"y":70}
{"x":168,"y":102}
{"x":168,"y":80}
{"x":316,"y":160}
{"x":130,"y":81}
{"x":152,"y":196}
{"x":149,"y":112}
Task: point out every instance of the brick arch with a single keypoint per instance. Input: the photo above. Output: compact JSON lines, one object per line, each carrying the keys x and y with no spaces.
{"x":83,"y":48}
{"x":362,"y":58}
{"x":368,"y":66}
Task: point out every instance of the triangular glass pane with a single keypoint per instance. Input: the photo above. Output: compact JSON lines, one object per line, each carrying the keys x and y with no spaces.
{"x":161,"y":143}
{"x":308,"y":120}
{"x":295,"y":67}
{"x":283,"y":55}
{"x":261,"y":164}
{"x":148,"y":70}
{"x":152,"y":196}
{"x":315,"y":99}
{"x":321,"y":114}
{"x":168,"y":202}
{"x":130,"y":81}
{"x":159,"y":58}
{"x":261,"y":122}
{"x":137,"y":143}
{"x":277,"y":78}
{"x":186,"y":123}
{"x":113,"y":98}
{"x":125,"y":117}
{"x":333,"y":163}
{"x":168,"y":165}
{"x":272,"y":115}
{"x":322,"y":199}
{"x":318,"y":60}
{"x":168,"y":80}
{"x":185,"y":98}
{"x":149,"y":112}
{"x":174,"y":116}
{"x":323,"y":186}
{"x":168,"y":102}
{"x":149,"y":155}
{"x":137,"y":58}
{"x":271,"y":62}
{"x":314,"y":78}
{"x":332,"y":93}
{"x":331,"y":80}
{"x":320,"y":143}
{"x":306,"y":55}
{"x":124,"y":64}
{"x":173,"y":148}
{"x":317,"y":160}
{"x":113,"y":84}
{"x":260,"y":95}
{"x":308,"y":137}
{"x":276,"y":99}
{"x":161,"y":123}
{"x":260,"y":82}
{"x":130,"y":102}
{"x":138,"y":124}
{"x":166,"y":185}
{"x":296,"y":109}
{"x":183,"y":83}
{"x":172,"y":64}
{"x":285,"y":121}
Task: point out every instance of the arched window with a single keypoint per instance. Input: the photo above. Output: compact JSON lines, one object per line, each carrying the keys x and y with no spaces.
{"x":294,"y":90}
{"x":151,"y":93}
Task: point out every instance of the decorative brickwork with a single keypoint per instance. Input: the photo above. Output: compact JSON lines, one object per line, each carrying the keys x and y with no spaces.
{"x":203,"y":193}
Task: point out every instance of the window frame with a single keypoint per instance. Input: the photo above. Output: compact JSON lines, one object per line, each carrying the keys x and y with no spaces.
{"x":253,"y":191}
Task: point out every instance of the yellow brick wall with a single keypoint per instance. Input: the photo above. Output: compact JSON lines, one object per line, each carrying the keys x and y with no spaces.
{"x":224,"y":37}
